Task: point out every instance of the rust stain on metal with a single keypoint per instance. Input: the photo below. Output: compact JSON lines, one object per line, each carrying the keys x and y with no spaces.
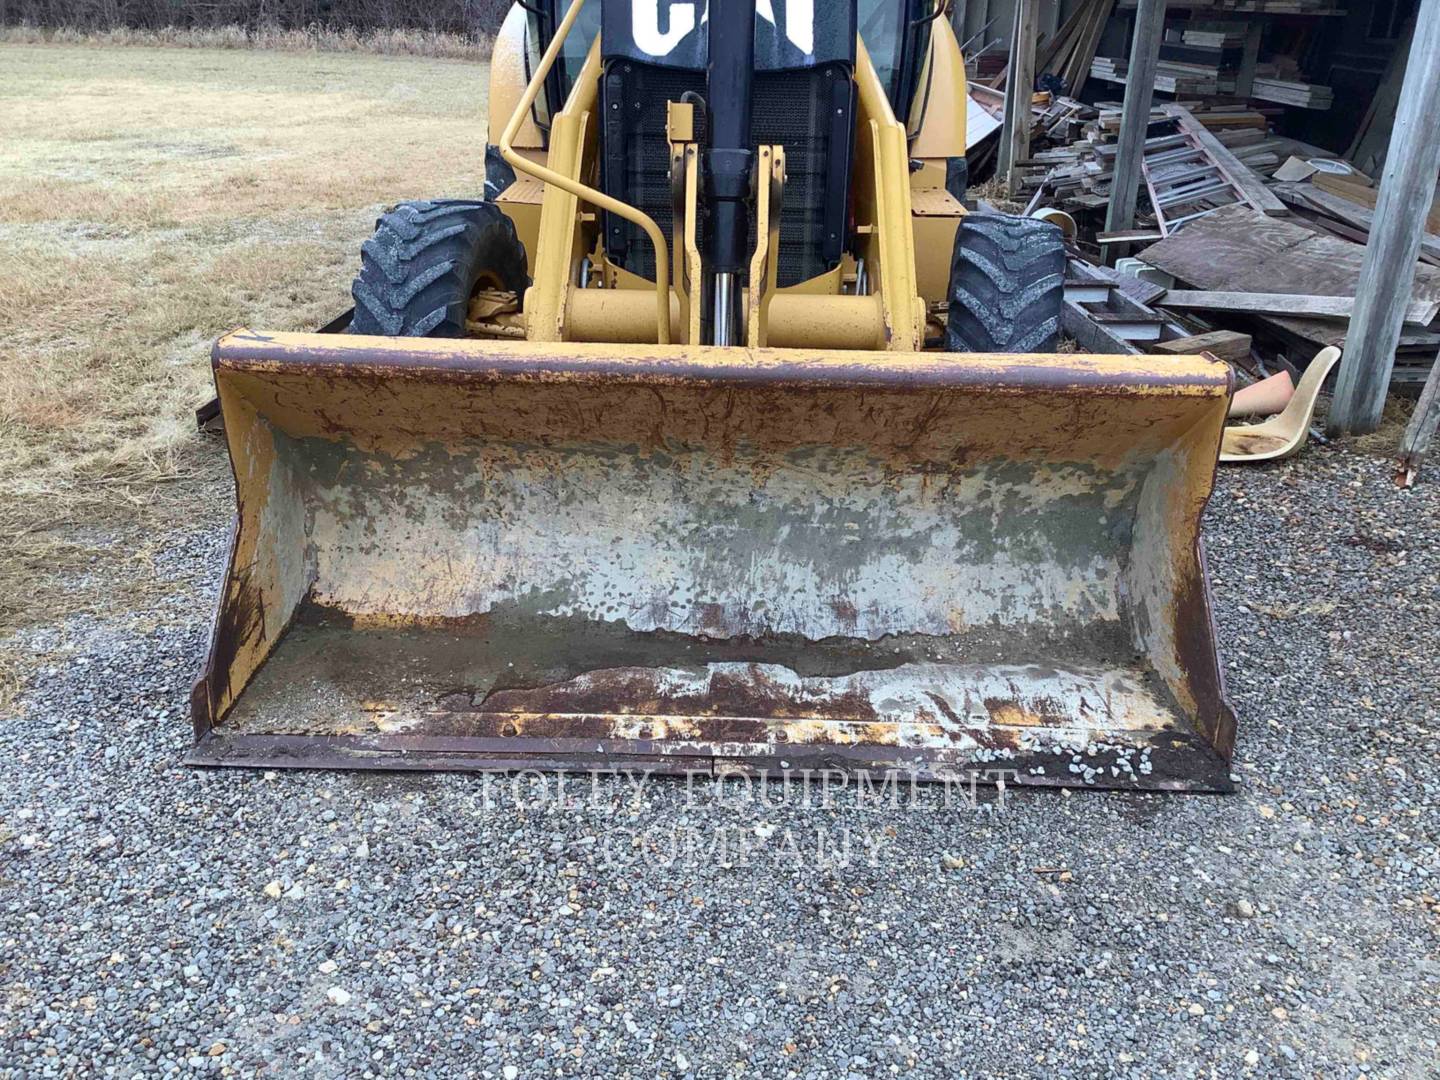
{"x":751,"y":692}
{"x":381,"y":360}
{"x":1195,"y":641}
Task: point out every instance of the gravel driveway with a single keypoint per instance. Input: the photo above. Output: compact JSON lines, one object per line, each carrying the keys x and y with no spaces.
{"x":156,"y":919}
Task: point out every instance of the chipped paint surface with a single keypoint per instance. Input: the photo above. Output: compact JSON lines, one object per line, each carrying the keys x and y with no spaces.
{"x":923,"y":701}
{"x":819,"y":543}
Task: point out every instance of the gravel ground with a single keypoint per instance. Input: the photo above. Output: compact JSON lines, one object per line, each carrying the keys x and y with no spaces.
{"x":156,"y":919}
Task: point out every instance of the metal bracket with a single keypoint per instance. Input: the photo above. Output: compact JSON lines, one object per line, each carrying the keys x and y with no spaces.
{"x":765,"y":262}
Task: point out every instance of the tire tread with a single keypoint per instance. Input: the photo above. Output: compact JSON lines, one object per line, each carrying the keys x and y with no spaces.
{"x":1007,"y":285}
{"x":419,"y":269}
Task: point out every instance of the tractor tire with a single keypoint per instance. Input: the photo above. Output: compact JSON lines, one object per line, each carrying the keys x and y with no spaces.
{"x":498,"y":173}
{"x":424,"y":263}
{"x":1007,"y":285}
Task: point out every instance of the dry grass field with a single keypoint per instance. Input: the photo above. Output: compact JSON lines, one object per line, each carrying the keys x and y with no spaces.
{"x":151,"y":198}
{"x":313,"y":38}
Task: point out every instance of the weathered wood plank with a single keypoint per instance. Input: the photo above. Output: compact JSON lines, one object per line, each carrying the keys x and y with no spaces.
{"x":1135,"y":116}
{"x":1419,"y":312}
{"x":1421,"y":429}
{"x":1356,"y":215}
{"x":1226,"y":344}
{"x":1127,"y":236}
{"x":1245,"y":77}
{"x":1019,"y":89}
{"x":1077,"y":67}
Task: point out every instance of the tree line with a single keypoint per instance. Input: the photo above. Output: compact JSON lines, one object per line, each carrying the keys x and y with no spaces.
{"x":470,"y":18}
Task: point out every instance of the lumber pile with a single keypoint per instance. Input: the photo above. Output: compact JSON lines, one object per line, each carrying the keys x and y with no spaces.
{"x":1262,"y":293}
{"x":1202,"y":34}
{"x":1203,"y":80}
{"x":1288,"y":282}
{"x":1172,"y":77}
{"x":1355,"y":187}
{"x":1069,"y":52}
{"x":1238,"y":266}
{"x":1053,"y":120}
{"x":1257,"y":238}
{"x":1075,"y":173}
{"x":1072,"y":163}
{"x":1109,"y":68}
{"x":1301,"y":94}
{"x":1206,"y":58}
{"x":1334,"y":197}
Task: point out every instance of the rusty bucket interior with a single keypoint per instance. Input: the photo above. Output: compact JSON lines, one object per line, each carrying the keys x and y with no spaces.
{"x":498,"y":555}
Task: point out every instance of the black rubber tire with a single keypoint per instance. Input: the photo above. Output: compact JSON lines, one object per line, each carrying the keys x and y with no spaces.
{"x":1007,"y":285}
{"x":498,"y":173}
{"x":424,"y":263}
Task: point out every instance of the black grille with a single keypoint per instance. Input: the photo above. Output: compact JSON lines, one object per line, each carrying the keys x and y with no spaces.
{"x":796,"y":109}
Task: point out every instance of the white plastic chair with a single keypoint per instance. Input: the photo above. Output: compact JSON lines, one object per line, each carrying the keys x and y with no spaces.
{"x":1282,"y":435}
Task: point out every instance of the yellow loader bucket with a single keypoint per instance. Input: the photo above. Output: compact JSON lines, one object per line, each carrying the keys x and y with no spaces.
{"x":484,"y":554}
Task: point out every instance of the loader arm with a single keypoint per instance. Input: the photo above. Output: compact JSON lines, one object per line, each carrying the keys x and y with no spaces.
{"x":558,"y":217}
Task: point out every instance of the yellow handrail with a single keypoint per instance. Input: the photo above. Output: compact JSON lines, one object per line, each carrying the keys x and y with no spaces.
{"x":582,"y":191}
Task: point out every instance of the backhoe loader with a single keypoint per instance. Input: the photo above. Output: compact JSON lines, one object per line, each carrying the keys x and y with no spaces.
{"x":717,"y":436}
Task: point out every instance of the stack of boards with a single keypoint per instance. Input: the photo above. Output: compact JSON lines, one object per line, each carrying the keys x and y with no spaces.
{"x":1202,"y":58}
{"x":1171,"y":77}
{"x":1213,"y":35}
{"x":1285,"y":92}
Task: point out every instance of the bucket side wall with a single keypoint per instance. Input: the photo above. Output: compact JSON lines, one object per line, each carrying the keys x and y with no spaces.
{"x":270,"y":569}
{"x":1167,"y":584}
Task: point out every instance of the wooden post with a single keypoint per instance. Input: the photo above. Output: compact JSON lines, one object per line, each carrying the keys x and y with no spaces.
{"x":1135,"y":116}
{"x":1421,"y":429}
{"x":1245,"y":79}
{"x":1407,"y":188}
{"x":1051,"y":19}
{"x":1019,"y":88}
{"x":977,"y":18}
